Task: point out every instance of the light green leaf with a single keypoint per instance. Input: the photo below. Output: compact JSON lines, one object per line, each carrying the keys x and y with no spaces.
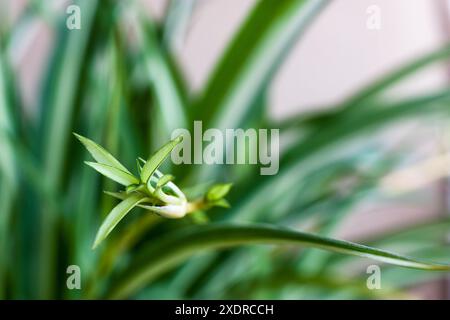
{"x":138,"y":166}
{"x":223,"y":203}
{"x":122,"y":177}
{"x":100,"y":154}
{"x":117,"y":195}
{"x":178,"y":246}
{"x":114,"y":217}
{"x":155,"y":161}
{"x":132,"y":188}
{"x":218,"y":191}
{"x":164,"y":180}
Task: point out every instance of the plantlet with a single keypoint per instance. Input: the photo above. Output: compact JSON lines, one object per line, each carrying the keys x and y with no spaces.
{"x":152,"y":190}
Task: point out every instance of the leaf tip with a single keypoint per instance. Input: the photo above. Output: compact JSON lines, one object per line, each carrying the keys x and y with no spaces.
{"x":90,"y":163}
{"x":98,"y":239}
{"x":178,"y":139}
{"x":79,"y":137}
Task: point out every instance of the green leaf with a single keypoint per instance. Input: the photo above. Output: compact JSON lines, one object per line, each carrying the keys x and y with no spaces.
{"x":169,"y":96}
{"x":309,"y":154}
{"x":249,"y":64}
{"x":100,"y":154}
{"x":397,"y":75}
{"x":8,"y":169}
{"x":252,"y":59}
{"x":176,"y":23}
{"x":114,"y":217}
{"x":138,"y":166}
{"x":117,"y":195}
{"x":218,"y":191}
{"x":281,"y":278}
{"x":164,"y":180}
{"x":113,"y":173}
{"x":174,"y":248}
{"x":408,"y":239}
{"x":155,"y":161}
{"x":223,"y":203}
{"x":131,"y":188}
{"x":360,"y":99}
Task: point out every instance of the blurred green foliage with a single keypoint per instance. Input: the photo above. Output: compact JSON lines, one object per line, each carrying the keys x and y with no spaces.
{"x":117,"y":82}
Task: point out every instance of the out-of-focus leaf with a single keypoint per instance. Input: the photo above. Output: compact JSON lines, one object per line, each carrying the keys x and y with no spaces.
{"x":218,"y":191}
{"x":221,"y":203}
{"x":395,"y":76}
{"x":170,"y":98}
{"x":114,"y":217}
{"x":176,"y":23}
{"x":57,"y":107}
{"x":8,"y":170}
{"x":174,"y":248}
{"x":113,"y":173}
{"x":252,"y":58}
{"x":281,"y":279}
{"x":249,"y":64}
{"x":310,"y":153}
{"x":59,"y":101}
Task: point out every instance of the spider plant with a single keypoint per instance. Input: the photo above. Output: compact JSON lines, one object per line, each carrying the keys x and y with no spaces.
{"x":180,"y":238}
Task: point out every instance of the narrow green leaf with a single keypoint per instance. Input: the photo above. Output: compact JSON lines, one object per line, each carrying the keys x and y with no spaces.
{"x":100,"y":154}
{"x":139,"y":167}
{"x":176,"y":23}
{"x":360,"y":99}
{"x":408,"y":239}
{"x":170,"y":97}
{"x":8,"y":172}
{"x":249,"y":64}
{"x":164,"y":180}
{"x":252,"y":59}
{"x":309,"y":154}
{"x":131,"y":188}
{"x":114,"y":217}
{"x":113,"y":173}
{"x":281,"y":278}
{"x":218,"y":191}
{"x":117,"y":195}
{"x":155,"y":161}
{"x":176,"y":247}
{"x":396,"y":76}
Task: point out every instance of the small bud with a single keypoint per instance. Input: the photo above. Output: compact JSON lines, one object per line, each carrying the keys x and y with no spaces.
{"x":218,"y":192}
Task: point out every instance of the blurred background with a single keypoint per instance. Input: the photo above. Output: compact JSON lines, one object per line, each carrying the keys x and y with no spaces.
{"x":337,"y":56}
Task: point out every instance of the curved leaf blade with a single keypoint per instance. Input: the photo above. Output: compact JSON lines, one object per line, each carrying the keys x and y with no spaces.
{"x":155,"y":161}
{"x":100,"y":154}
{"x":175,"y":248}
{"x":114,"y":217}
{"x":165,"y":179}
{"x":113,"y":173}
